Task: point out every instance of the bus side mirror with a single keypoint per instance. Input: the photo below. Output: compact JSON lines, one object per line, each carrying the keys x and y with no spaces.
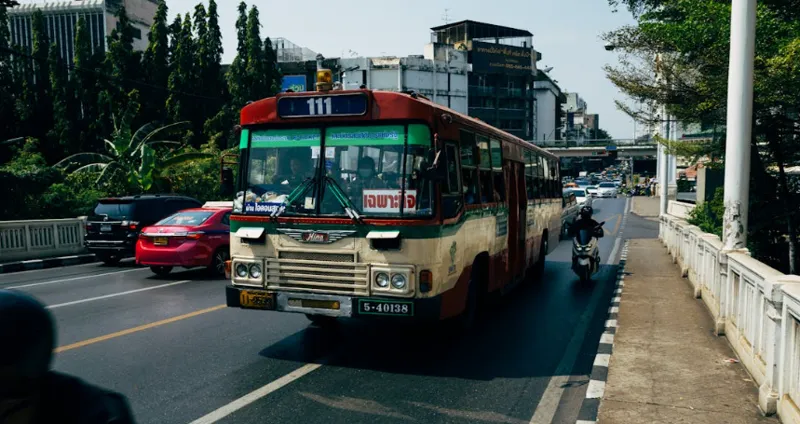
{"x":226,"y":188}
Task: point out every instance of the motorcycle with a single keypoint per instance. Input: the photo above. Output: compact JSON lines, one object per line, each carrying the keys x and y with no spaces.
{"x":586,"y":253}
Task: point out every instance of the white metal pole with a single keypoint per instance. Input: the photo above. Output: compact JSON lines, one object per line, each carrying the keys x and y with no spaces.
{"x":663,"y":167}
{"x":739,"y":123}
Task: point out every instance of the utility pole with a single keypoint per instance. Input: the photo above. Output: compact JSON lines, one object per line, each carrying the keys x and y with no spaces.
{"x":663,"y":166}
{"x":739,"y":124}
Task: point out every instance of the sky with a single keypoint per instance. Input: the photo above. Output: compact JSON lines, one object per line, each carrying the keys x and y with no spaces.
{"x":566,"y":32}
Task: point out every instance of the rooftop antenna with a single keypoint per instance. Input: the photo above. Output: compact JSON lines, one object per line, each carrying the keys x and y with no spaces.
{"x":446,"y":16}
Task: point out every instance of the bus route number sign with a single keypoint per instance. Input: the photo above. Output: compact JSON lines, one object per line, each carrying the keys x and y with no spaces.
{"x":322,"y":106}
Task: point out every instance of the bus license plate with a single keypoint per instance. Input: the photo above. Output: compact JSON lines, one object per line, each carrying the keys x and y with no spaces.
{"x":386,"y":307}
{"x":256,"y":300}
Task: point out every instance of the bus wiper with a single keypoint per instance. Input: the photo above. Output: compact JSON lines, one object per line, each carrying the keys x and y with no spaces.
{"x":294,"y":195}
{"x":344,"y":201}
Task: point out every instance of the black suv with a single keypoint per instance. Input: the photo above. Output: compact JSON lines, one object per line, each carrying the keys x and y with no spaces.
{"x":114,"y":226}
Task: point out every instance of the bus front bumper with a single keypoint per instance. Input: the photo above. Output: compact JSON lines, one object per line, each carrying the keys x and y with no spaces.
{"x":428,"y":309}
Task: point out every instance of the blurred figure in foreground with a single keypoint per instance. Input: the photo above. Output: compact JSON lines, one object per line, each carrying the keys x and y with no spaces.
{"x":30,"y":392}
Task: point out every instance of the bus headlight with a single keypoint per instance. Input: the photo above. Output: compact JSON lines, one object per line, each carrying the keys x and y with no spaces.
{"x":399,"y":281}
{"x":255,"y":271}
{"x":382,"y":280}
{"x":241,"y":270}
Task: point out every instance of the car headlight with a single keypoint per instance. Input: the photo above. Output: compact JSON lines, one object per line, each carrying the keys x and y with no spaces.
{"x":255,"y":271}
{"x":382,"y":280}
{"x":398,"y":281}
{"x":241,"y":270}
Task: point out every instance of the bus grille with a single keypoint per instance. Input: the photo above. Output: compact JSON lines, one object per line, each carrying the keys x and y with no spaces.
{"x":317,"y":272}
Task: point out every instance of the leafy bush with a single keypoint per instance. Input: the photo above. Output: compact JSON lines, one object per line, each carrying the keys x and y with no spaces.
{"x":709,"y":215}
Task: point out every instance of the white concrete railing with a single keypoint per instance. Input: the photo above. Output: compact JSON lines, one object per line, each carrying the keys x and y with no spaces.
{"x":23,"y":240}
{"x":680,"y":209}
{"x":756,"y":307}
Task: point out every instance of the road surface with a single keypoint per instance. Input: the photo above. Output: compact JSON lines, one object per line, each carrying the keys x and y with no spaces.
{"x":179,"y":355}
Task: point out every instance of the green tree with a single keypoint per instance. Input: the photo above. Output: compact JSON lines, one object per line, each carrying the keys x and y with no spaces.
{"x":42,"y":116}
{"x":9,"y":92}
{"x":182,"y":75}
{"x":122,"y":62}
{"x":274,"y":74}
{"x":87,"y":66}
{"x":131,"y":155}
{"x":690,"y":39}
{"x":156,"y":65}
{"x":602,"y":134}
{"x":61,"y":136}
{"x":256,"y":70}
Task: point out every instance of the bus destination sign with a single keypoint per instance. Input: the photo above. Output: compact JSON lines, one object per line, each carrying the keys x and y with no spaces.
{"x":322,"y":106}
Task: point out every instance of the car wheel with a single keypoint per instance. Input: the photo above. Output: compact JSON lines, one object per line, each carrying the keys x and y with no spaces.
{"x":110,"y":259}
{"x":217,"y":265}
{"x":161,"y":270}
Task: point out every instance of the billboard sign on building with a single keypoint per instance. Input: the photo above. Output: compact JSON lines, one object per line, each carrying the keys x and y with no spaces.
{"x":501,"y":59}
{"x":296,"y":83}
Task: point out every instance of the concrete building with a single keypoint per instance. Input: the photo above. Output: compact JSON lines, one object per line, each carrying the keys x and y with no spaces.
{"x":574,"y":103}
{"x":286,"y":51}
{"x":549,"y":100}
{"x":503,"y":67}
{"x":440,"y":74}
{"x":61,"y":21}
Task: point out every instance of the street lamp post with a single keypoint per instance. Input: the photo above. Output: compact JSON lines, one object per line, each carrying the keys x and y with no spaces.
{"x":739,"y":123}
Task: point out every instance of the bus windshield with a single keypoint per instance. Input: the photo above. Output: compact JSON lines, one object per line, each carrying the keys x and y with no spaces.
{"x":366,"y":168}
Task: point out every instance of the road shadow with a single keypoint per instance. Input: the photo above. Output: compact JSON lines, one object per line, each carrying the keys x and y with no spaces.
{"x":522,"y":335}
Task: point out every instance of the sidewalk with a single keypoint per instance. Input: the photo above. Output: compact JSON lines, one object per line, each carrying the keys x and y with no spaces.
{"x":667,"y":366}
{"x":645,"y":206}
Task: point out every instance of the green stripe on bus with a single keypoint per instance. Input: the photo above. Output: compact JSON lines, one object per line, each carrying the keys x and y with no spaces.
{"x":419,"y":134}
{"x":286,"y":138}
{"x":379,"y":135}
{"x":244,"y":138}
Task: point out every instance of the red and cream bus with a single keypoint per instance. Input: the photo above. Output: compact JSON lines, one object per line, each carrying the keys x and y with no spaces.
{"x":369,"y":203}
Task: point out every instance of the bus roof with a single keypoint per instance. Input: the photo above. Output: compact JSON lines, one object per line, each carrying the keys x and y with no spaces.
{"x":383,"y":105}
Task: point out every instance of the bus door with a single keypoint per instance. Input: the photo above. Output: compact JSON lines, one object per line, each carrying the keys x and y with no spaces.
{"x":517,"y":204}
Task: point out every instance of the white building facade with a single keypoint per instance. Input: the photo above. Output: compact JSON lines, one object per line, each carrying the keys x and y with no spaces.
{"x":547,"y":105}
{"x":61,"y":22}
{"x":440,"y":75}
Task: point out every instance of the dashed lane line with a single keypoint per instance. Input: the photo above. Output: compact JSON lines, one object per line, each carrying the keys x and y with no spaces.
{"x":82,"y":277}
{"x":136,"y":329}
{"x":108,"y":296}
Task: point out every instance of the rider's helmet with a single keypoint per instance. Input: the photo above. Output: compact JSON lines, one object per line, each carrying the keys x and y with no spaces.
{"x":28,"y":335}
{"x":586,"y":212}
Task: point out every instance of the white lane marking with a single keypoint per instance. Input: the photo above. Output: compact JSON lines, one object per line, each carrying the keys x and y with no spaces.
{"x":30,"y":271}
{"x":613,"y":310}
{"x":255,"y":395}
{"x":614,"y":252}
{"x":607,"y":338}
{"x":585,"y":422}
{"x":548,"y":404}
{"x":618,"y":291}
{"x":83,"y":277}
{"x":611,"y":323}
{"x":108,"y":296}
{"x":601,"y":360}
{"x":596,"y":389}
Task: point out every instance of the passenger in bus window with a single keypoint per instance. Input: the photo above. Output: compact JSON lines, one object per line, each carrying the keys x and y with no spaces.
{"x":367,"y":178}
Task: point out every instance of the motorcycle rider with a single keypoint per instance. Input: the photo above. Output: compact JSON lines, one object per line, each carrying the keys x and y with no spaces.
{"x":587,"y":223}
{"x":32,"y":393}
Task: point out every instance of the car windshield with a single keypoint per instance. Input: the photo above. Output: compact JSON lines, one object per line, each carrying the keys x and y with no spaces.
{"x":114,"y":210}
{"x":579,"y":193}
{"x":607,"y":185}
{"x":364,"y":168}
{"x":186,"y":218}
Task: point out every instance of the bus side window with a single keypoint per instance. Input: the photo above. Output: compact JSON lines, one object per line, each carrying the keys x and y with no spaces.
{"x":469,"y":168}
{"x":451,"y":187}
{"x":485,"y":173}
{"x":497,"y":171}
{"x":543,"y":183}
{"x":530,"y":181}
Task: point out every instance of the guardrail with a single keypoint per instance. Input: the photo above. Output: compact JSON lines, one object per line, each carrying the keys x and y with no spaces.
{"x":755,"y":306}
{"x":23,"y":240}
{"x":594,"y":143}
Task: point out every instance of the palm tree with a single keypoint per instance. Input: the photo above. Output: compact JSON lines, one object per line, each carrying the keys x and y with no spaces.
{"x":132,"y":154}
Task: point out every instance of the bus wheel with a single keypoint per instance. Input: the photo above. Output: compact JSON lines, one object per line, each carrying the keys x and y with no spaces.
{"x":322,"y":320}
{"x":466,"y":320}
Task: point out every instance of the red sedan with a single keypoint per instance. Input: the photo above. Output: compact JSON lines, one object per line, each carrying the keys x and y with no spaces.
{"x":189,"y":238}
